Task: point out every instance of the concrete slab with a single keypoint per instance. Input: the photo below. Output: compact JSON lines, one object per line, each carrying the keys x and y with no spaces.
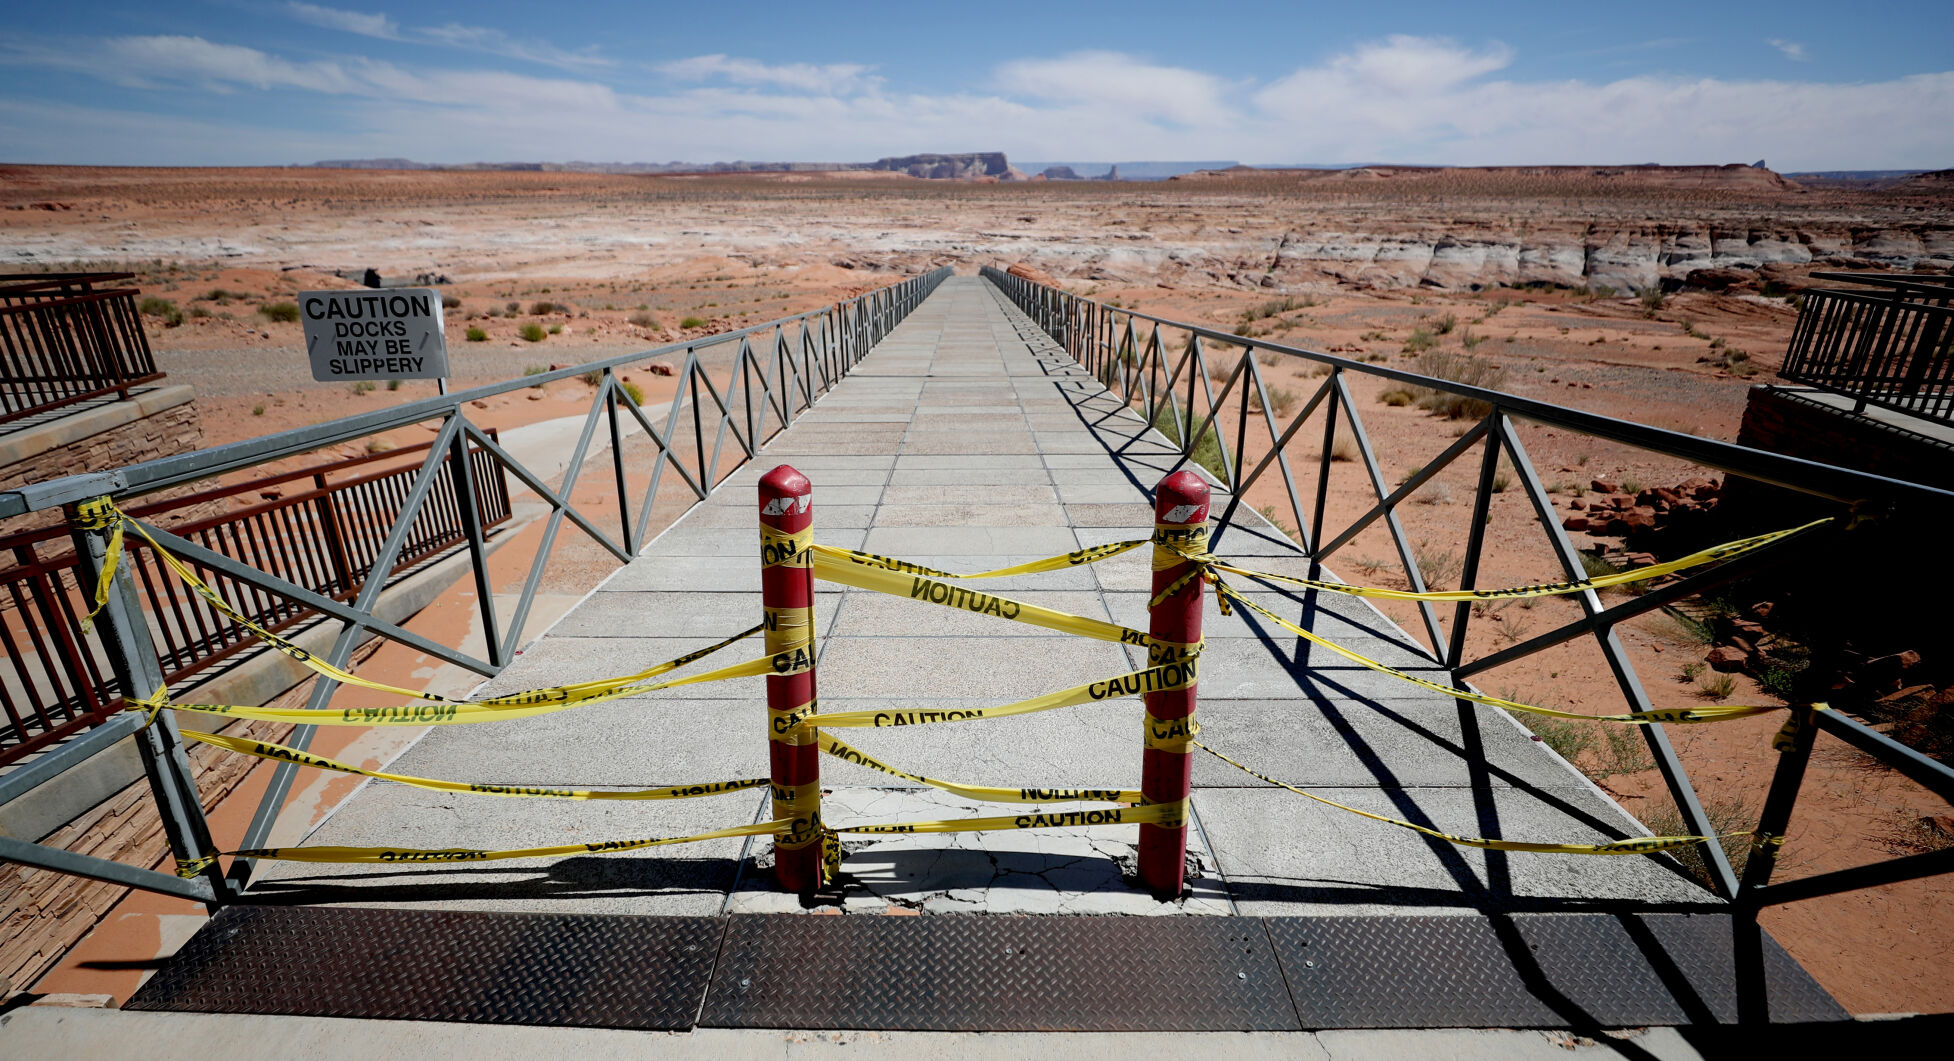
{"x":1285,"y":855}
{"x":965,"y":442}
{"x":1037,"y":871}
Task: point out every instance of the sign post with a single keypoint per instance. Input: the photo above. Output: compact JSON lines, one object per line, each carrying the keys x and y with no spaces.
{"x":366,"y":334}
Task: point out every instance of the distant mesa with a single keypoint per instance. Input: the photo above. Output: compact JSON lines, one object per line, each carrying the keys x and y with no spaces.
{"x":976,"y":166}
{"x":1060,"y":173}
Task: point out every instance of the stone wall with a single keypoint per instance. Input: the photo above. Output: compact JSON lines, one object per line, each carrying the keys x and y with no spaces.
{"x":44,"y":913}
{"x":1778,"y":419}
{"x":158,"y":422}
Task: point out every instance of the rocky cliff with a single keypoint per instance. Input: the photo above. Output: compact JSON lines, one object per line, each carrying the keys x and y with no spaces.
{"x":952,"y":167}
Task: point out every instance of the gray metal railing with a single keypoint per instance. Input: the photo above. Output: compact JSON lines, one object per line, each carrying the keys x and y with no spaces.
{"x":322,"y":536}
{"x":1890,"y":344}
{"x":1189,"y":380}
{"x":734,"y":392}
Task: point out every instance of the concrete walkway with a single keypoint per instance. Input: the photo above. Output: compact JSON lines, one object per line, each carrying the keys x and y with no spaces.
{"x":968,"y":441}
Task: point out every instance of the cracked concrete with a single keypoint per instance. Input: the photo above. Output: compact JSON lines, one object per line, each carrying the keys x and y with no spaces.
{"x":1060,"y":871}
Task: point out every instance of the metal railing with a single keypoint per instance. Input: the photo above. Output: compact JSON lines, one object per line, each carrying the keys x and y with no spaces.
{"x":66,"y":338}
{"x":1190,"y":382}
{"x":1890,"y":344}
{"x":323,"y":537}
{"x":734,"y":391}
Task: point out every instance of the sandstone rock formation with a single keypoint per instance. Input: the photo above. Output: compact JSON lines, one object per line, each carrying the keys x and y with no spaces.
{"x":951,"y":167}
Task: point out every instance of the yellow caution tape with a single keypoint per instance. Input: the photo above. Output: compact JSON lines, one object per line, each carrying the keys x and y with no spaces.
{"x":99,"y":514}
{"x":1171,"y":734}
{"x":785,"y":726}
{"x":1714,"y":713}
{"x":1135,"y":683}
{"x":1030,"y":567}
{"x":448,"y":712}
{"x":1726,"y":551}
{"x":1166,"y":814}
{"x":830,"y":568}
{"x":1641,"y":845}
{"x":786,"y":550}
{"x":406,"y":855}
{"x":802,"y":830}
{"x":283,"y":753}
{"x":549,"y":699}
{"x":984,"y":793}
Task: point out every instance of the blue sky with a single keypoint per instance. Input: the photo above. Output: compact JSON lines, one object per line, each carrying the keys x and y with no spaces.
{"x":1804,"y":86}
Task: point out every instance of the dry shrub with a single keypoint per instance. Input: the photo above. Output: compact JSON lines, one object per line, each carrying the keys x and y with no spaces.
{"x":1458,"y":368}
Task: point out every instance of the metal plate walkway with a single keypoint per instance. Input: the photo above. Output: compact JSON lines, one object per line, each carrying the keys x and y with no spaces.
{"x":967,"y":440}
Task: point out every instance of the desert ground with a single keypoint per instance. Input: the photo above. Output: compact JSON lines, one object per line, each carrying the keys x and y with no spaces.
{"x":1655,"y":296}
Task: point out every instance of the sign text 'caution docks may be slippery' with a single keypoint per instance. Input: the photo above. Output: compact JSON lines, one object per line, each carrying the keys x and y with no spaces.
{"x":366,"y":334}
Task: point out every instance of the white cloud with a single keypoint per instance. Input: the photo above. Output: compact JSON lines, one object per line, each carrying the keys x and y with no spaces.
{"x":1369,"y":106}
{"x":1403,"y":99}
{"x":496,"y":42}
{"x":1791,"y":49}
{"x":452,"y":35}
{"x":376,"y":25}
{"x":1130,"y":87}
{"x":804,"y":77}
{"x":194,"y":60}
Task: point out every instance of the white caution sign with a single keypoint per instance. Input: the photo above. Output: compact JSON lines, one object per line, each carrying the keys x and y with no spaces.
{"x":366,"y":334}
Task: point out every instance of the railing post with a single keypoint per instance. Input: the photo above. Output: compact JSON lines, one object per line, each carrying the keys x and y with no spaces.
{"x":326,"y":511}
{"x":794,"y":753}
{"x":1180,"y":508}
{"x":132,"y":656}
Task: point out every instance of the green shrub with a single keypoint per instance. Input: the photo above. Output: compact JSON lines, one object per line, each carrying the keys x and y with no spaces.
{"x":1397,"y":396}
{"x":636,"y":392}
{"x":556,"y":329}
{"x":1715,"y":685}
{"x":1445,"y":324}
{"x":477,"y":335}
{"x":512,"y":308}
{"x":1420,"y":341}
{"x":1207,"y":448}
{"x":393,"y":384}
{"x":220,"y":296}
{"x":1731,"y":822}
{"x":692,"y":322}
{"x":533,"y":332}
{"x":199,"y":311}
{"x":541,"y":309}
{"x":364,"y":386}
{"x":283,"y":312}
{"x":594,"y":377}
{"x":1782,"y":666}
{"x":162,"y":308}
{"x":535,"y":370}
{"x":257,"y":410}
{"x":1567,"y":737}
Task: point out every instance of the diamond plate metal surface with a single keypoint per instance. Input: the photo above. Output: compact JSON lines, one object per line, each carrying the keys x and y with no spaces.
{"x":542,"y":969}
{"x":986,"y":973}
{"x":1528,"y":970}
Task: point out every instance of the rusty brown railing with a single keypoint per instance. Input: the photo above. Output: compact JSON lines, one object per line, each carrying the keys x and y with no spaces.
{"x":320,"y":527}
{"x":66,"y":338}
